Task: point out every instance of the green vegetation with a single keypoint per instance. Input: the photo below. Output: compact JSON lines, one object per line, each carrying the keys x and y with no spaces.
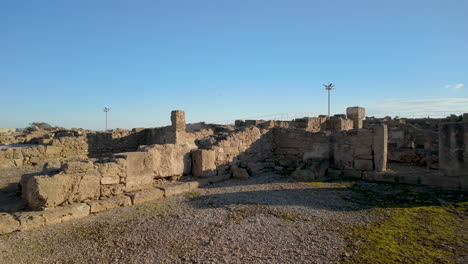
{"x":417,"y":225}
{"x":430,"y":234}
{"x":331,"y":185}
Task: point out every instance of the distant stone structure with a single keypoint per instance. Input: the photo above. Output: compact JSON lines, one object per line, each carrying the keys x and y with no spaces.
{"x":97,"y":171}
{"x":7,"y":130}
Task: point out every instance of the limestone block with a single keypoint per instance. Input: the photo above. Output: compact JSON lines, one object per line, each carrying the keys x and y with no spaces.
{"x":212,"y":180}
{"x":30,"y":220}
{"x":380,"y":145}
{"x":53,"y":150}
{"x":303,"y":175}
{"x":178,"y":120}
{"x":363,"y":152}
{"x":66,"y":213}
{"x":50,"y":191}
{"x":172,"y":189}
{"x":139,"y":170}
{"x":356,"y":112}
{"x":146,"y":195}
{"x":77,"y":167}
{"x":110,"y":180}
{"x":170,"y":159}
{"x":453,"y":148}
{"x":239,"y":173}
{"x":8,"y":223}
{"x":110,"y":203}
{"x":352,"y":173}
{"x":363,"y":165}
{"x":203,"y":163}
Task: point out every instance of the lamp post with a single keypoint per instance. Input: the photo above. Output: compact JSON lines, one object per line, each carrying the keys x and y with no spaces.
{"x":329,"y":87}
{"x":106,"y":110}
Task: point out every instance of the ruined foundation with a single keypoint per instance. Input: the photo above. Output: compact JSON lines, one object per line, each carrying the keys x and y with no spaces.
{"x":88,"y":172}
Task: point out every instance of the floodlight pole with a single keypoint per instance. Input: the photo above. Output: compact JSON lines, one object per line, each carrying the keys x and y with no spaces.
{"x":329,"y":87}
{"x":106,"y":110}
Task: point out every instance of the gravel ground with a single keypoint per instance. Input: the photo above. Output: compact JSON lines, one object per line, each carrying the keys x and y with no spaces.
{"x":266,"y":219}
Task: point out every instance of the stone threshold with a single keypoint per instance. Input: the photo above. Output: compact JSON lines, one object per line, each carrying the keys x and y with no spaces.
{"x":23,"y":221}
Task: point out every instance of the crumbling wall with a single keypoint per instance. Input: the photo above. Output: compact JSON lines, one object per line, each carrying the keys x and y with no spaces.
{"x":247,"y":147}
{"x":80,"y":181}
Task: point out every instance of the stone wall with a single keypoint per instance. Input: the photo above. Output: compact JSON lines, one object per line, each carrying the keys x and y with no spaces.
{"x":351,"y":152}
{"x":453,"y":152}
{"x":80,"y":181}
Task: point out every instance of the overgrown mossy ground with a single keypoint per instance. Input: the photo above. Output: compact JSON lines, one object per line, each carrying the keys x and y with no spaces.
{"x":415,"y":225}
{"x":431,"y":234}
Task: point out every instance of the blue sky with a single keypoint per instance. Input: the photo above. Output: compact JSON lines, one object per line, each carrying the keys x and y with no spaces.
{"x":63,"y":61}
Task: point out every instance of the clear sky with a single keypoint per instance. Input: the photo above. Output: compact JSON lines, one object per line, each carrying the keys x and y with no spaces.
{"x":63,"y":61}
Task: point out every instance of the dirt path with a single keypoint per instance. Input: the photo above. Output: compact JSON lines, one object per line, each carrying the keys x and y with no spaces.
{"x":266,"y":219}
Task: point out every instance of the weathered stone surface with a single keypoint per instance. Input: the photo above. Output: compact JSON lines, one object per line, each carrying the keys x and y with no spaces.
{"x":380,"y":145}
{"x":50,"y":191}
{"x":203,"y":163}
{"x":139,"y":172}
{"x":364,"y":165}
{"x":170,"y":159}
{"x":212,"y":180}
{"x":303,"y":175}
{"x":356,"y":112}
{"x":8,"y":223}
{"x":110,"y":180}
{"x":66,"y":213}
{"x":334,"y":173}
{"x":73,"y":167}
{"x":172,"y":189}
{"x":110,"y":203}
{"x":30,"y":220}
{"x":178,"y":120}
{"x":352,"y":173}
{"x":239,"y":173}
{"x":53,"y":150}
{"x":146,"y":195}
{"x":52,"y":164}
{"x":453,"y":149}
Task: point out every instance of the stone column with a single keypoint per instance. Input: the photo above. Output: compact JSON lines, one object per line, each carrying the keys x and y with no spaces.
{"x":380,"y":143}
{"x":453,"y":149}
{"x":203,"y":163}
{"x":178,"y":120}
{"x":465,"y":117}
{"x":356,"y":114}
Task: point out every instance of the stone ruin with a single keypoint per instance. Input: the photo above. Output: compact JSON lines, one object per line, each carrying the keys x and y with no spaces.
{"x":88,"y":172}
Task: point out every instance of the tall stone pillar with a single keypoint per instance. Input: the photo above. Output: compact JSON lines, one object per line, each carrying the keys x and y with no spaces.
{"x":380,"y":147}
{"x":453,"y":149}
{"x":356,"y":114}
{"x":178,"y":121}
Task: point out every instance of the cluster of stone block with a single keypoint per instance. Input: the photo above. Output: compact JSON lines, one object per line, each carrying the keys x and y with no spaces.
{"x":27,"y":220}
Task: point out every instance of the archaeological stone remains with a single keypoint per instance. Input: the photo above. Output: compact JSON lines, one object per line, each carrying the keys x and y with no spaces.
{"x":87,"y":172}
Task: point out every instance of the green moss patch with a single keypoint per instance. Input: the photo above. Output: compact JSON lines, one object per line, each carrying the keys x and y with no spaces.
{"x":431,"y":234}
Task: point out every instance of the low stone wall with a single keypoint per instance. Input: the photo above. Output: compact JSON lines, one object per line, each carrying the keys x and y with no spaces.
{"x":126,"y":172}
{"x":27,"y":220}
